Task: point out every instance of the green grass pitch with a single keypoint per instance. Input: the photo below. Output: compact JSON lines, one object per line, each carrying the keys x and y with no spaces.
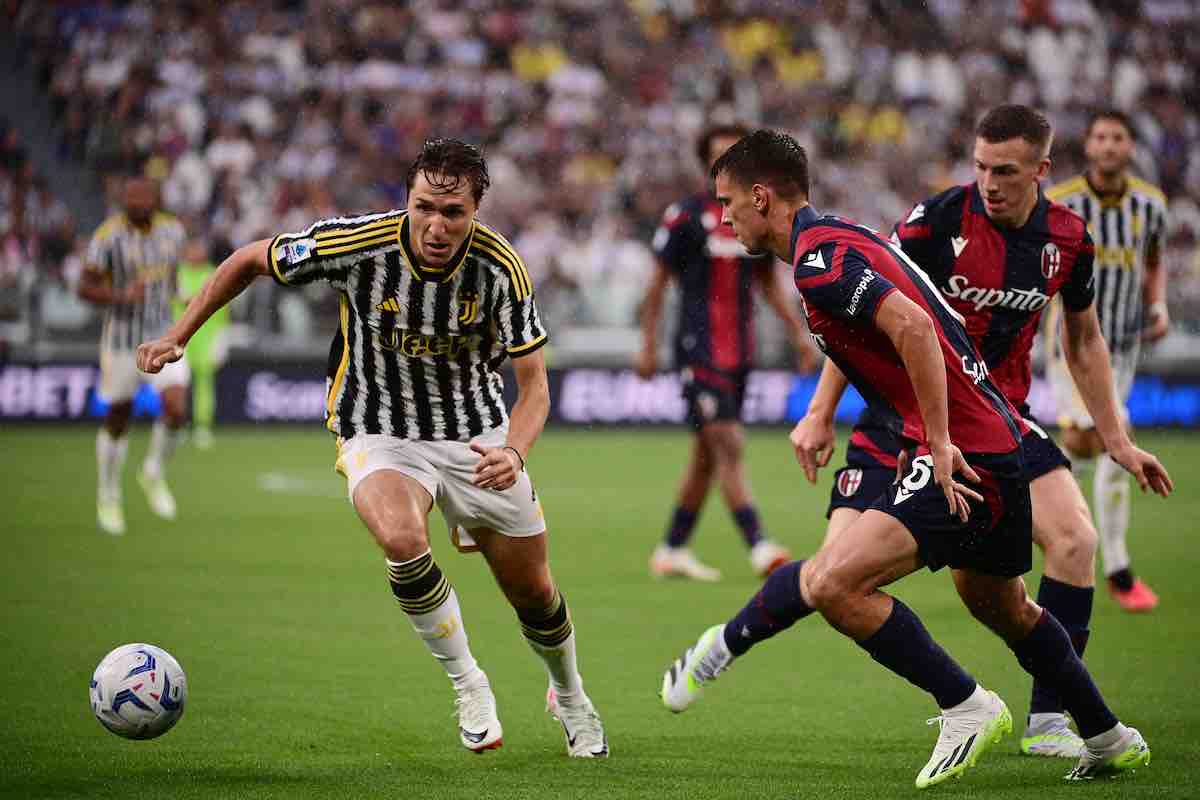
{"x":306,"y":681}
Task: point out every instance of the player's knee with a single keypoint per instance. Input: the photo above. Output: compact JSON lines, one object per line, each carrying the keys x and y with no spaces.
{"x":1071,"y":541}
{"x":402,"y":542}
{"x":826,"y":588}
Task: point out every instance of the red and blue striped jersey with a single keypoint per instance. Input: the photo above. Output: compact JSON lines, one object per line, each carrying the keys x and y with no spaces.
{"x":716,"y":279}
{"x":844,"y":271}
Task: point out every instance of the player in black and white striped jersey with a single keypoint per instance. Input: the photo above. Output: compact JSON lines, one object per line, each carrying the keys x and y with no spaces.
{"x":131,"y":272}
{"x":1127,"y":218}
{"x":432,"y":302}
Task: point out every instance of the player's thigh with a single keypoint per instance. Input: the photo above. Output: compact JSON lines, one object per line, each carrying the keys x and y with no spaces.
{"x":853,"y":491}
{"x":520,"y":565}
{"x":1081,"y":443}
{"x":392,"y":490}
{"x":724,"y":439}
{"x":1062,"y":524}
{"x":174,"y":403}
{"x":874,"y":550}
{"x":119,"y":375}
{"x":839,"y":520}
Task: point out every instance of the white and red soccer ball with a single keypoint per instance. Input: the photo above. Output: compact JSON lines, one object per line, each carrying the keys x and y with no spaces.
{"x":138,"y":691}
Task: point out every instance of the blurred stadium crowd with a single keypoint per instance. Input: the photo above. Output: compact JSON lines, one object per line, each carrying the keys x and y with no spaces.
{"x":262,"y":116}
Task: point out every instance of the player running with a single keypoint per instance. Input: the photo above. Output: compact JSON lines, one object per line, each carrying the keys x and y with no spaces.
{"x":714,"y":349}
{"x":131,"y":271}
{"x":432,"y":303}
{"x":880,"y":319}
{"x":999,"y":251}
{"x":1128,"y":218}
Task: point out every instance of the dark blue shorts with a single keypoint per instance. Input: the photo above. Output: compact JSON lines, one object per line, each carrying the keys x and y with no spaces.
{"x":997,"y":538}
{"x":1041,"y":453}
{"x":712,"y":396}
{"x":858,"y":487}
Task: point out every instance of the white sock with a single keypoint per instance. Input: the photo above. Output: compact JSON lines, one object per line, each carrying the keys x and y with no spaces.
{"x":110,"y":458}
{"x":1103,"y":741}
{"x":1110,"y":499}
{"x":417,"y":584}
{"x":561,"y":667}
{"x":162,"y":444}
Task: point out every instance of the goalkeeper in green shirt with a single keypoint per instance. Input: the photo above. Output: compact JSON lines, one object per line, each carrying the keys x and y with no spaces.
{"x":206,"y":350}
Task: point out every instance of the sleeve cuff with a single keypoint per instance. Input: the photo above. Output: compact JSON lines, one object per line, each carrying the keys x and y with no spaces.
{"x":275,"y":273}
{"x":528,"y":347}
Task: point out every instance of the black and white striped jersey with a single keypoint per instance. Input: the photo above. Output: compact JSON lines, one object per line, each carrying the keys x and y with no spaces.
{"x":124,"y":253}
{"x":418,"y":351}
{"x":1128,"y":229}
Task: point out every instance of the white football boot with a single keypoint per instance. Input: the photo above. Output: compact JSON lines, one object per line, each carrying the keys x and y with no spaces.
{"x":158,"y":495}
{"x":110,"y":516}
{"x":967,"y":730}
{"x":680,"y":562}
{"x":1128,"y":752}
{"x":581,"y":724}
{"x":699,"y":664}
{"x":1050,"y":735}
{"x":478,"y":726}
{"x":768,"y":556}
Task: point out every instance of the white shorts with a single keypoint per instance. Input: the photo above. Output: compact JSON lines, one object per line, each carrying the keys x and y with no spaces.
{"x":445,"y":470}
{"x":120,"y":377}
{"x":1072,"y":413}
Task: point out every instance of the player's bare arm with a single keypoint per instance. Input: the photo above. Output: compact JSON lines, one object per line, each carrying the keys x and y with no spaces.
{"x":499,"y":467}
{"x":912,"y":333}
{"x":230,"y":279}
{"x":813,"y":438}
{"x":1088,"y":359}
{"x":652,"y":306}
{"x":96,"y":288}
{"x":1154,"y":296}
{"x":808,"y":357}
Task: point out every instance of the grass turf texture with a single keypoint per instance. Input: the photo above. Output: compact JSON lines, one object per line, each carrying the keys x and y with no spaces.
{"x":306,"y":681}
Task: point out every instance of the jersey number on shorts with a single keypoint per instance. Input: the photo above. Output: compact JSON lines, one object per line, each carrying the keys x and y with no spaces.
{"x":919,"y":473}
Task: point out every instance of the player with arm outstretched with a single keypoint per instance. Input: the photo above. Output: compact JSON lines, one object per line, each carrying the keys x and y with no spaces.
{"x":963,"y":501}
{"x":714,"y":350}
{"x":432,"y":303}
{"x":999,"y":250}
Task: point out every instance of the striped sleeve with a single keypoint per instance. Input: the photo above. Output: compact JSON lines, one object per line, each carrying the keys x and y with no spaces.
{"x":99,"y":252}
{"x":517,"y":318}
{"x":327,"y":249}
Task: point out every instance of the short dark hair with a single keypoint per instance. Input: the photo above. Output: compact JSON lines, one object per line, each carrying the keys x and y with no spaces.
{"x":769,"y":157}
{"x":454,"y":161}
{"x":1113,"y":115}
{"x":704,"y":141}
{"x":1013,"y":121}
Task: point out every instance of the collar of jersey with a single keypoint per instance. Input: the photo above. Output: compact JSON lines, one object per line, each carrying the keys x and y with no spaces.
{"x":1106,"y":198}
{"x":805,"y":218}
{"x":1035,"y":216}
{"x":436,"y":274}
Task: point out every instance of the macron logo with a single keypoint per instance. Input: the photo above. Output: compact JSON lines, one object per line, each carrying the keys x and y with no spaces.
{"x":914,"y":215}
{"x":815,"y":261}
{"x":958,"y":243}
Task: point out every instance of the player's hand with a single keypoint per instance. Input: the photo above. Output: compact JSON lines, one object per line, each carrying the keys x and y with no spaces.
{"x":948,"y":460}
{"x":153,"y":356}
{"x":497,"y":469}
{"x":1145,"y":468}
{"x":1157,"y":321}
{"x":813,"y":440}
{"x":646,"y":364}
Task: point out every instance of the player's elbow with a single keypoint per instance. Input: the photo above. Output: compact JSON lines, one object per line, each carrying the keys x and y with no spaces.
{"x":913,"y":332}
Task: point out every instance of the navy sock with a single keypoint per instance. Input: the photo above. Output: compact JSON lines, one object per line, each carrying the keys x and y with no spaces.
{"x":680,"y":530}
{"x":776,"y":607}
{"x":1048,"y":655}
{"x":1122,"y":579}
{"x":747,"y":521}
{"x":904,"y":646}
{"x":1072,"y":607}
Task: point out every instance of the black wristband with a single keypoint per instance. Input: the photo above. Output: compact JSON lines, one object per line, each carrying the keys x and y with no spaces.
{"x":517,"y":454}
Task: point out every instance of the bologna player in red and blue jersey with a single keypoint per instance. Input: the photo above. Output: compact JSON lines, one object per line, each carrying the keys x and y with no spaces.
{"x":714,"y":350}
{"x":999,"y":251}
{"x":891,"y":333}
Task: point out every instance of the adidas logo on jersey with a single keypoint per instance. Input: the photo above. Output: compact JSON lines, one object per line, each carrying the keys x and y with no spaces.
{"x":1016,"y":299}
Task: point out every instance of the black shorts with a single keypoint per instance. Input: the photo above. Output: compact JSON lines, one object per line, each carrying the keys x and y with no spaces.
{"x":1041,"y":453}
{"x":997,"y":538}
{"x":858,"y":487}
{"x":713,"y":396}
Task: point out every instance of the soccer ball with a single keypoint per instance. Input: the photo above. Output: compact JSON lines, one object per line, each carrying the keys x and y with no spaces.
{"x":138,"y":691}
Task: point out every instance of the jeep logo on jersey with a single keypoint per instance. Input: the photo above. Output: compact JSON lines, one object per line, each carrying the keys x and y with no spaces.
{"x":1051,"y":260}
{"x":468,"y":306}
{"x":960,"y":288}
{"x":419,"y":345}
{"x":848,"y":481}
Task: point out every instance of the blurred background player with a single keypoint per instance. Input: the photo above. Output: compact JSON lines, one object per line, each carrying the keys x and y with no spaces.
{"x":1127,"y":218}
{"x":205,"y":350}
{"x":714,"y":350}
{"x":131,"y":272}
